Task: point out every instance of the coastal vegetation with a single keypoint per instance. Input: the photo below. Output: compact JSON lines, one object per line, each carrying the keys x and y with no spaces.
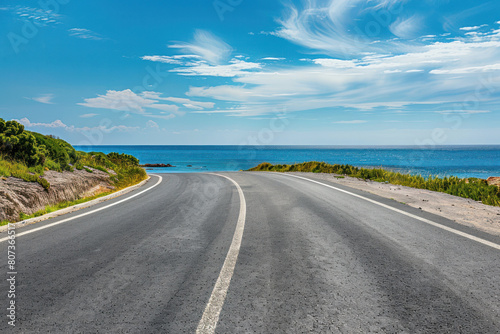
{"x":28,"y":155}
{"x":473,"y":188}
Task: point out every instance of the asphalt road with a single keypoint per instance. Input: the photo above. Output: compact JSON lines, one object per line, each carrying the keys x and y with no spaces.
{"x":312,"y":260}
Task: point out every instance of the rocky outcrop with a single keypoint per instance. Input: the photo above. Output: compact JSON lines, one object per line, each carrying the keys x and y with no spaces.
{"x":18,"y":196}
{"x":157,"y":165}
{"x":494,"y":181}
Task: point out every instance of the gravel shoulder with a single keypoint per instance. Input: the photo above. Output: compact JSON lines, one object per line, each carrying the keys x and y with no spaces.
{"x":464,"y":211}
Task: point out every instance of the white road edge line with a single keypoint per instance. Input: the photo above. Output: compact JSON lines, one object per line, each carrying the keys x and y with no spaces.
{"x":212,"y":311}
{"x":84,"y":214}
{"x":430,"y":222}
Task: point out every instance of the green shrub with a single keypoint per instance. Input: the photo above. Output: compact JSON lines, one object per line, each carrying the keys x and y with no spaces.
{"x":52,"y":165}
{"x":123,"y":159}
{"x":20,"y":145}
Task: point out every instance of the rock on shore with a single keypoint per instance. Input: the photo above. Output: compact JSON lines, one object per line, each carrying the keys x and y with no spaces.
{"x":157,"y":165}
{"x":493,"y":181}
{"x":18,"y":196}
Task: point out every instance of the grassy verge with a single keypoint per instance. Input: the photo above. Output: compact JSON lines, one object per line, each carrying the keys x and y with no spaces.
{"x":58,"y":206}
{"x":473,"y":188}
{"x":124,"y":180}
{"x":27,"y":155}
{"x":21,"y":171}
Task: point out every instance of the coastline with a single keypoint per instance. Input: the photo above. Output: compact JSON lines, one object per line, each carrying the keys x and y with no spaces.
{"x":463,"y":161}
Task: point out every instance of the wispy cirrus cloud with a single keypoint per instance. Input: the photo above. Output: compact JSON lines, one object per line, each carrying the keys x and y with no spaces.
{"x":145,"y":103}
{"x":176,"y":59}
{"x":343,"y":28}
{"x":206,"y":45}
{"x":207,"y":55}
{"x":43,"y":98}
{"x":127,"y":100}
{"x":85,"y":34}
{"x":407,"y":28}
{"x":88,"y":115}
{"x":385,"y":80}
{"x":198,"y":105}
{"x":40,"y":17}
{"x":235,"y":67}
{"x":474,"y":27}
{"x":401,"y":66}
{"x":58,"y":124}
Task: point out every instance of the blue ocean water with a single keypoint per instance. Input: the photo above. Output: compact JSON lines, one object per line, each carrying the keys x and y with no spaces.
{"x":461,"y":161}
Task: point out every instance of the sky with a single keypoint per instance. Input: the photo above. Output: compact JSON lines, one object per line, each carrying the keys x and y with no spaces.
{"x":259,"y":72}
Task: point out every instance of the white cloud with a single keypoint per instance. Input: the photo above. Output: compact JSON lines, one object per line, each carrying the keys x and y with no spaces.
{"x":71,"y":128}
{"x":225,"y":93}
{"x":474,"y":27}
{"x":191,"y":103}
{"x":379,"y":79}
{"x":336,"y":63}
{"x":125,"y":100}
{"x":206,"y":45}
{"x":357,"y":121}
{"x":236,"y":67}
{"x":164,"y":107}
{"x":207,"y":56}
{"x":129,"y":101}
{"x":40,"y":17}
{"x":152,"y":124}
{"x":177,"y":59}
{"x":474,"y":69}
{"x":56,"y":124}
{"x":178,"y":100}
{"x":273,"y":58}
{"x":44,"y":98}
{"x":331,"y":27}
{"x":407,"y":28}
{"x":88,"y":115}
{"x":84,"y":34}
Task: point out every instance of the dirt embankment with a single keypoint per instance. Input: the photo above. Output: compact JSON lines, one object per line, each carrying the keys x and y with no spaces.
{"x":18,"y":196}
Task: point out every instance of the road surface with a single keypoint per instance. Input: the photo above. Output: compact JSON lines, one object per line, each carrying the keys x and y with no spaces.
{"x":309,"y":259}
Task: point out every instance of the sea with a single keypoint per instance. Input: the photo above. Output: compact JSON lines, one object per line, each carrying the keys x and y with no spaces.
{"x":461,"y":161}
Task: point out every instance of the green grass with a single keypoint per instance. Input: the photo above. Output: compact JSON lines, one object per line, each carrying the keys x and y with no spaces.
{"x":27,"y":155}
{"x":472,"y":188}
{"x":21,"y":171}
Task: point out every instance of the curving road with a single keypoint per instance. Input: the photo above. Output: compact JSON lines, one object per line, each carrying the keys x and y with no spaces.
{"x":311,"y":259}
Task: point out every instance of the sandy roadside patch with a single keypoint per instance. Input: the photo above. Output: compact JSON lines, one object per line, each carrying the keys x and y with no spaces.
{"x":461,"y":210}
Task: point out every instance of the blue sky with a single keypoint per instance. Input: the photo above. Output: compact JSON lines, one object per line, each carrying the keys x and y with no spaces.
{"x":346,"y":72}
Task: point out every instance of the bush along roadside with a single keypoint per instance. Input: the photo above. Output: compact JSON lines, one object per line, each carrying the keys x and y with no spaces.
{"x":28,"y":155}
{"x":472,"y":188}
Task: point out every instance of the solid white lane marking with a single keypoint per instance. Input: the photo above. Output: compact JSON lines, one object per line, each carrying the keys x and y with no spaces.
{"x":212,"y":311}
{"x":84,"y":214}
{"x":430,"y":222}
